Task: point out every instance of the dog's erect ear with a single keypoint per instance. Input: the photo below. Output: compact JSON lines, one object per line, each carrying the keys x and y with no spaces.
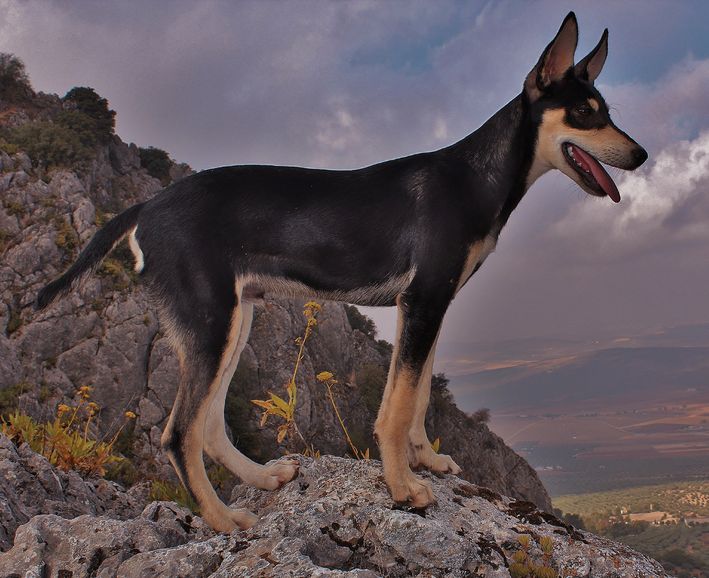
{"x":590,"y":67}
{"x":556,"y":59}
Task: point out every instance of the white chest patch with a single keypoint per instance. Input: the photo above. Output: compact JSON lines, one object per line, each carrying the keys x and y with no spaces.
{"x":477,"y":253}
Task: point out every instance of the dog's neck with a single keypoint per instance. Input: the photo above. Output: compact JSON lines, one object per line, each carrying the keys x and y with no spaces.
{"x":500,"y":153}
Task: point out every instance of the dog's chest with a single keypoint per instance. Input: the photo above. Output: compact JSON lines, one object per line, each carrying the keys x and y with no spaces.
{"x":477,"y":253}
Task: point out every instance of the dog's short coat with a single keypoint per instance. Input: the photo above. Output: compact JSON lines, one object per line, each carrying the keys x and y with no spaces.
{"x":408,"y":232}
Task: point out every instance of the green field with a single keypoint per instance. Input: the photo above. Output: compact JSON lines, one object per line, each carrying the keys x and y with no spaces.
{"x":678,"y":498}
{"x":680,"y":539}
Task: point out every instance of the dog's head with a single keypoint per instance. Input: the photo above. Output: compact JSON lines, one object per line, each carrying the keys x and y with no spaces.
{"x":574,"y":128}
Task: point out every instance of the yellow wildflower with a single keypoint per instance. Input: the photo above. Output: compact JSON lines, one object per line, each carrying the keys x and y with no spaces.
{"x":62,"y":408}
{"x":324,"y":376}
{"x":130,"y":415}
{"x":85,"y":391}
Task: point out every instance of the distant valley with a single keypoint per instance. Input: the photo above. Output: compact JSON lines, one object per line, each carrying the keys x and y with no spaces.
{"x":593,"y":416}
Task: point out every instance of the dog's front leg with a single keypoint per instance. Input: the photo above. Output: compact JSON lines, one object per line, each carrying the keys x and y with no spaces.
{"x":421,"y":453}
{"x":419,"y":321}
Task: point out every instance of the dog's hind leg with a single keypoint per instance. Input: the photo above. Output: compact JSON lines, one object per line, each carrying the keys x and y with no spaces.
{"x":204,"y":323}
{"x":421,"y":453}
{"x":419,"y":321}
{"x":216,"y":442}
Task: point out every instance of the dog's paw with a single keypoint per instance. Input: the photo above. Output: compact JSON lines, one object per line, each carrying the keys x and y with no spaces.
{"x":279,"y":473}
{"x":413,"y":491}
{"x":230,"y":519}
{"x":433,"y":462}
{"x":442,"y":464}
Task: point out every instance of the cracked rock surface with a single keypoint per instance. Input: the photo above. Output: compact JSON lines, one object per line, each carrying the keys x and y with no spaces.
{"x":334,"y":519}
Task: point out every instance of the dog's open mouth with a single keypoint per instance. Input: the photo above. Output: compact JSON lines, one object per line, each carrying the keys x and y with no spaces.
{"x":591,"y":171}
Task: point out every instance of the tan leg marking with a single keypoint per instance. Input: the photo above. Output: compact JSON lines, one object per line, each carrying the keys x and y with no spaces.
{"x":392,"y":431}
{"x":217,"y":514}
{"x":421,"y":453}
{"x":216,"y":442}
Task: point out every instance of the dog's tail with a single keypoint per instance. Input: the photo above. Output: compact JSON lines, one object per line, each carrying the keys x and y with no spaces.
{"x":90,"y":258}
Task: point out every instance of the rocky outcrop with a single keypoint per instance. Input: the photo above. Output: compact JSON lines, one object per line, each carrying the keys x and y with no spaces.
{"x":335,"y":518}
{"x":31,"y":486}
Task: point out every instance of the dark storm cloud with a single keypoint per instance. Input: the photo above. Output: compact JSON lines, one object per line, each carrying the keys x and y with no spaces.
{"x":346,"y":84}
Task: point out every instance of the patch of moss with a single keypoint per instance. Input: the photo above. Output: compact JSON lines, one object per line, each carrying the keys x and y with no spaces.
{"x":14,"y":208}
{"x":9,"y":396}
{"x":66,"y":239}
{"x":15,"y":321}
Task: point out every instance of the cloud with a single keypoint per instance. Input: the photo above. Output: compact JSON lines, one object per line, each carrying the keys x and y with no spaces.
{"x":666,"y":203}
{"x":672,"y":108}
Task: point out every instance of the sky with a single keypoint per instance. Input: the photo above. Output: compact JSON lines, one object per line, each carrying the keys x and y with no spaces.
{"x":348,"y":84}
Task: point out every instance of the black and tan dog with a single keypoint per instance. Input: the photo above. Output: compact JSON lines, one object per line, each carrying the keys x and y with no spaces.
{"x":408,"y":232}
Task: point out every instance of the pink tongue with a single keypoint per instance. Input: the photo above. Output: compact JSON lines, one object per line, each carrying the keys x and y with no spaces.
{"x":599,"y":173}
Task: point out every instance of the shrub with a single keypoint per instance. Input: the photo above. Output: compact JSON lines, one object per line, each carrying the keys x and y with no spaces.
{"x":49,"y":143}
{"x":14,"y":82}
{"x":66,"y":441}
{"x":88,"y":102}
{"x":10,"y":396}
{"x":361,"y":322}
{"x":156,"y":162}
{"x":82,"y":125}
{"x":371,"y":380}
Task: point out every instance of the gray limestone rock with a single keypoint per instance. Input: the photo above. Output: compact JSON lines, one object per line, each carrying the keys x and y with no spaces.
{"x":334,"y":519}
{"x":31,"y":486}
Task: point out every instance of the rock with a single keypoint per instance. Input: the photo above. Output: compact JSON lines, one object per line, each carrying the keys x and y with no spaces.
{"x":98,"y":545}
{"x":335,"y":519}
{"x":31,"y":486}
{"x":124,"y":157}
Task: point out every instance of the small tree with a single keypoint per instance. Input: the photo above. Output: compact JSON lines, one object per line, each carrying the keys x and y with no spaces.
{"x":359,"y":321}
{"x":157,"y":162}
{"x":14,"y":83}
{"x":88,"y":101}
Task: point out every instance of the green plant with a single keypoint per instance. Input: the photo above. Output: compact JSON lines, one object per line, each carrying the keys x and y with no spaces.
{"x":14,"y":208}
{"x":66,"y":238}
{"x":10,"y":395}
{"x":360,"y":322}
{"x":14,"y":322}
{"x":92,"y":105}
{"x":157,"y":162}
{"x":329,"y":381}
{"x":115,"y":271}
{"x":161,"y":490}
{"x":371,"y":380}
{"x":49,"y":143}
{"x":14,"y":82}
{"x":8,"y":147}
{"x":523,"y":565}
{"x":66,"y":441}
{"x":276,"y":405}
{"x":82,"y":125}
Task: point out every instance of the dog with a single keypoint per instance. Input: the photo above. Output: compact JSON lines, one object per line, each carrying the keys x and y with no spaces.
{"x":408,"y":232}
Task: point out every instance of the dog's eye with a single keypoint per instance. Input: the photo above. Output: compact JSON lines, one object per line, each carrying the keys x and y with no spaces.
{"x":583,"y":110}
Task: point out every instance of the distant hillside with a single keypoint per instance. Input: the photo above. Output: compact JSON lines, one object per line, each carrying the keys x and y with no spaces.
{"x":590,"y":380}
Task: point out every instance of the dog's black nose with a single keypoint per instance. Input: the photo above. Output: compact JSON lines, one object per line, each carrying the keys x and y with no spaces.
{"x":639,"y":156}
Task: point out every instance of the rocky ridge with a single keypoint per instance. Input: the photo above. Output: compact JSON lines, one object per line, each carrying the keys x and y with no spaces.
{"x":335,"y":518}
